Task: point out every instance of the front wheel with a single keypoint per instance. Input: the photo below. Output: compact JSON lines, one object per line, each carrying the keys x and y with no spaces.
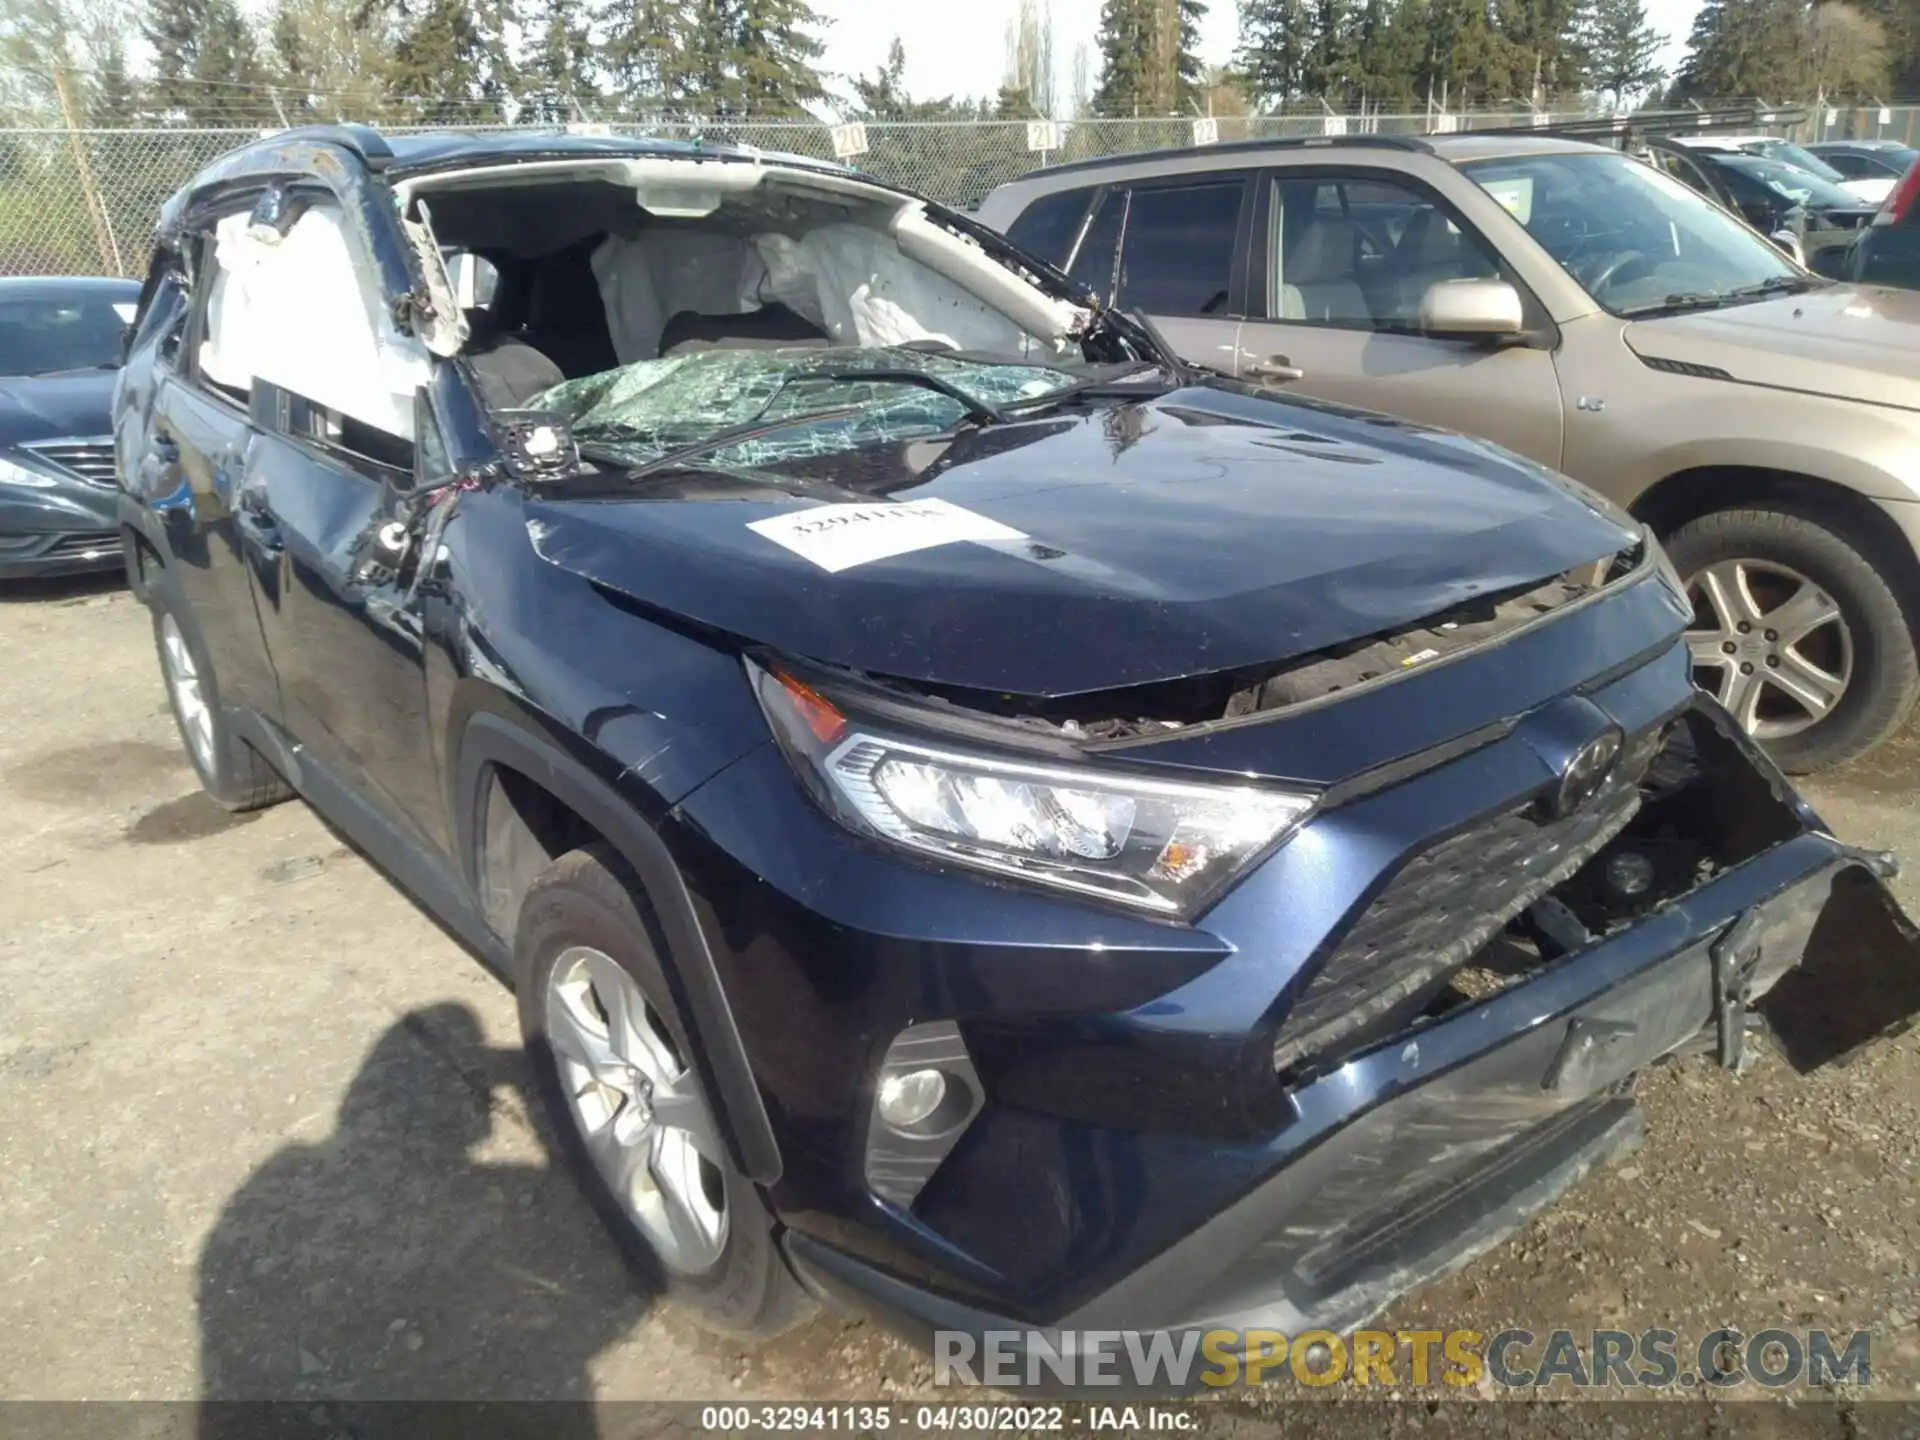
{"x":613,"y":1064}
{"x":1796,"y":633}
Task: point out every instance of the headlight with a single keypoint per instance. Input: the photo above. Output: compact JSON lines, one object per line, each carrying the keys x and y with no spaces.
{"x":12,"y":472}
{"x":1159,"y":845}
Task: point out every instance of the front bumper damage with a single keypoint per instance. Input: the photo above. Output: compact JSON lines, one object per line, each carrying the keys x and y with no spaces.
{"x":1404,"y":1161}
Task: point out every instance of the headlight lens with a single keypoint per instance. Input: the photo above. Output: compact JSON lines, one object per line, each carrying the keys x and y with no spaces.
{"x":1158,"y":845}
{"x":12,"y":472}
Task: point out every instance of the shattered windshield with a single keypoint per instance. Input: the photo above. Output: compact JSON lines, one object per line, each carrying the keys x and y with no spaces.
{"x":642,"y":413}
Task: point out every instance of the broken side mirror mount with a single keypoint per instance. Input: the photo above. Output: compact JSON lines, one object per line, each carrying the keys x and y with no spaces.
{"x":536,"y":444}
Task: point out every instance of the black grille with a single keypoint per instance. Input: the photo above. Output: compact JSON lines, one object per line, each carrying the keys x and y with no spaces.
{"x":1445,"y":904}
{"x":91,"y":460}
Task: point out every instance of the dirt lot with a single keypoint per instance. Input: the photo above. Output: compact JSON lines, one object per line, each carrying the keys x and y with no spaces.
{"x":261,"y":1131}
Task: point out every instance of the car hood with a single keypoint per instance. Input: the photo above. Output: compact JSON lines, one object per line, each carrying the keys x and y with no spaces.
{"x":1871,"y":191}
{"x":1850,"y":341}
{"x":1109,"y":546}
{"x":53,"y":407}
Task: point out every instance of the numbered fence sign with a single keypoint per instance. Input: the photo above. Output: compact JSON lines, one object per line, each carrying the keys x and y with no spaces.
{"x":1206,"y":130}
{"x":849,"y":140}
{"x":1044,"y":135}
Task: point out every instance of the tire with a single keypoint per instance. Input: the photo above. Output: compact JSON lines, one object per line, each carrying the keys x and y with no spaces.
{"x":588,"y":903}
{"x":1871,"y":641}
{"x":236,"y":775}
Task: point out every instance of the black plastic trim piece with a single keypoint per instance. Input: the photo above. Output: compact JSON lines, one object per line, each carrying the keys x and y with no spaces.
{"x":490,"y":740}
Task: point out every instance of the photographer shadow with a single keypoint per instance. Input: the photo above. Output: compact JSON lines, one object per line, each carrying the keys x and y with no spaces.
{"x":389,"y":1263}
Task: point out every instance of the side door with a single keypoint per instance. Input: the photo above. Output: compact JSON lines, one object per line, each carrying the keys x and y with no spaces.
{"x":188,"y":461}
{"x":323,"y":506}
{"x":1345,"y":257}
{"x":1170,"y":248}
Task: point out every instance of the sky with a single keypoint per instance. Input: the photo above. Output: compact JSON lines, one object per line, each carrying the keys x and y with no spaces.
{"x":958,"y":47}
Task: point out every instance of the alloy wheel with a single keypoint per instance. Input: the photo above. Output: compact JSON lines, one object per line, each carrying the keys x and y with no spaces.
{"x":639,"y":1108}
{"x":189,"y":696}
{"x":1769,"y":644}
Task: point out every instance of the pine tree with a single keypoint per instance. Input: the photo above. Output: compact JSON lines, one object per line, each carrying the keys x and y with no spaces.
{"x":1745,"y":49}
{"x":1326,"y":70}
{"x":1272,"y":52}
{"x":446,"y":62}
{"x":644,"y":54}
{"x":113,"y":98}
{"x":555,"y":67}
{"x":1545,"y":41}
{"x":1148,"y":59}
{"x":753,"y":58}
{"x":884,"y":96}
{"x":1468,"y":61}
{"x":173,"y":29}
{"x":229,"y":84}
{"x":1390,"y":45}
{"x":1619,"y":47}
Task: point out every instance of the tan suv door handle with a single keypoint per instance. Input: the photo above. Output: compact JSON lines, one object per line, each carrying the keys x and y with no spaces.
{"x":1276,"y":370}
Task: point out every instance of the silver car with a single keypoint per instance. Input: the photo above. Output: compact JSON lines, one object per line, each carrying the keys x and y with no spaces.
{"x":1580,"y":307}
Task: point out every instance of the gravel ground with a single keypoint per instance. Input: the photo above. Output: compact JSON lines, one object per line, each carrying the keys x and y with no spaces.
{"x":262,"y":1135}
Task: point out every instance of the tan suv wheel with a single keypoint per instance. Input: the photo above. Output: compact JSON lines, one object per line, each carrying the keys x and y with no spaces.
{"x":1796,"y":633}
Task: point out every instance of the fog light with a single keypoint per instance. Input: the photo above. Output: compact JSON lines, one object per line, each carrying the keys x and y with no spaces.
{"x":907,"y":1100}
{"x":925,"y":1094}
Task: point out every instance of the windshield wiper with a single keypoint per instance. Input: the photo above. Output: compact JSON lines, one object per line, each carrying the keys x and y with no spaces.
{"x":1674,"y":304}
{"x":1778,"y":285}
{"x":977,"y":409}
{"x":1759,"y":290}
{"x":1103,"y":385}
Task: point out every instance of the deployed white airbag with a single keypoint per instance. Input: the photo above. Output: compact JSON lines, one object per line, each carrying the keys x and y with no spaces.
{"x":851,"y":280}
{"x":292,"y":312}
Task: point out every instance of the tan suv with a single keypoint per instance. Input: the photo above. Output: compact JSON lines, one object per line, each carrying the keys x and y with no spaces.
{"x":1575,"y":305}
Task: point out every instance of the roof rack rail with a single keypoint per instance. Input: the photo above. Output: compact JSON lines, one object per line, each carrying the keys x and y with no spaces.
{"x":1646,"y":124}
{"x":1232,"y":147}
{"x":363,"y":140}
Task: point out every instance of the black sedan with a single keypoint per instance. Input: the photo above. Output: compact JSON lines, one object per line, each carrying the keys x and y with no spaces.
{"x":59,"y":352}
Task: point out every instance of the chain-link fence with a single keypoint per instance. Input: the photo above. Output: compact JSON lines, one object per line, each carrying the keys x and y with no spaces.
{"x":84,"y":201}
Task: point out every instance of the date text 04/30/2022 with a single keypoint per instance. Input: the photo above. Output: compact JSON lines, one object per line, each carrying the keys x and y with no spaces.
{"x":954,"y":1416}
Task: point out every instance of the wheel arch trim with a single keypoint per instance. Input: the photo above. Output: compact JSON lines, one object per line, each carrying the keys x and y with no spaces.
{"x":489,"y":740}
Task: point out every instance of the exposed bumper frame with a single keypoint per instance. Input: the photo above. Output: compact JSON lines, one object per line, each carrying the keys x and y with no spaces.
{"x":1520,"y":1117}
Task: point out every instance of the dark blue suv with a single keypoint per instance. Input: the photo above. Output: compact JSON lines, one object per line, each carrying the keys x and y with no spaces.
{"x":987,"y":822}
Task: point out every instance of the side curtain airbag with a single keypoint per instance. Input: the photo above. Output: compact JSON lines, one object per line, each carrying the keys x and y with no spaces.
{"x":292,"y":311}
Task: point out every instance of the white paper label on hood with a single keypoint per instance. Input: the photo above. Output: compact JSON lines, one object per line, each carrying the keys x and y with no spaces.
{"x":838,"y":537}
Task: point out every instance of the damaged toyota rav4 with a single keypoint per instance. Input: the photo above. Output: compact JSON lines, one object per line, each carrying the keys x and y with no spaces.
{"x":987,"y":823}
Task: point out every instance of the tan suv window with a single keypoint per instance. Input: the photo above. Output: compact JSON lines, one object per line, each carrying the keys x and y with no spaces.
{"x":1359,"y":253}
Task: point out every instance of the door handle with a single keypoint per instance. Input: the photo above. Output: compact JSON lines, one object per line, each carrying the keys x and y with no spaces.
{"x":257,"y":519}
{"x":1275,"y":370}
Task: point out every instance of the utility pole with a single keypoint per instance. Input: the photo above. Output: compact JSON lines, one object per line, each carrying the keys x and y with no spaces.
{"x":96,"y":207}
